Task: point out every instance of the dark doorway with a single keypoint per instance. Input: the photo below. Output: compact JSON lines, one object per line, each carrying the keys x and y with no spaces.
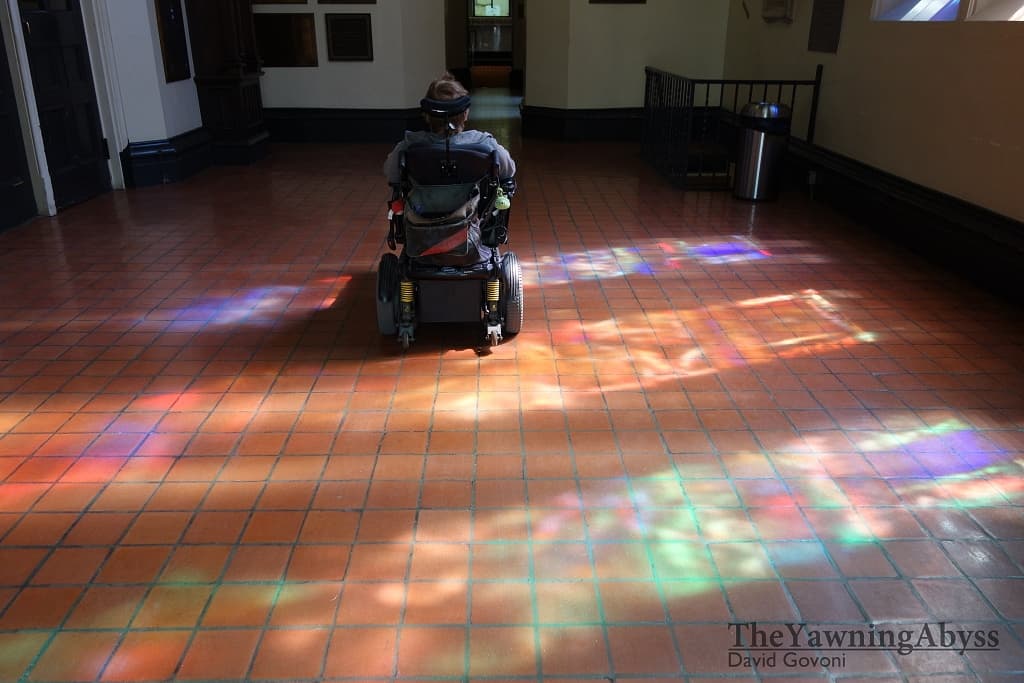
{"x":491,"y":32}
{"x":17,"y":204}
{"x":58,"y":58}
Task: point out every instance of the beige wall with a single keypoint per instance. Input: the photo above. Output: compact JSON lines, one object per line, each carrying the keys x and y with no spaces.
{"x":422,"y":46}
{"x":611,"y":44}
{"x":936,"y":103}
{"x":583,"y":56}
{"x":408,"y":52}
{"x":547,"y":53}
{"x":152,"y":108}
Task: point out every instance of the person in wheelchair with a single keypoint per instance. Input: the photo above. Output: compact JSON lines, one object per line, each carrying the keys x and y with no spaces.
{"x":451,"y":191}
{"x":447,"y":90}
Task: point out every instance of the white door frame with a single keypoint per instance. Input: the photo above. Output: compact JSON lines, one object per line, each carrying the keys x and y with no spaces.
{"x":21,"y":78}
{"x":102,"y":60}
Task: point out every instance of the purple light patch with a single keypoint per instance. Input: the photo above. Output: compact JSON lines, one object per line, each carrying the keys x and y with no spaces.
{"x":728,"y":252}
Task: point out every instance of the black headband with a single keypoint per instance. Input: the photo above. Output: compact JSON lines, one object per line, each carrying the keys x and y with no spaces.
{"x":442,"y":108}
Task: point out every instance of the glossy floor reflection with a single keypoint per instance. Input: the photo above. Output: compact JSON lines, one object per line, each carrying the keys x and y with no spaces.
{"x":496,"y":110}
{"x":214,"y":469}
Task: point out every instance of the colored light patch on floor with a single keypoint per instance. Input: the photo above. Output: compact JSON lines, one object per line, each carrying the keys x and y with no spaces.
{"x":734,"y":250}
{"x":713,"y":339}
{"x":997,"y":484}
{"x":290,"y":497}
{"x":737,"y":249}
{"x":651,"y":257}
{"x":257,"y":305}
{"x":666,"y":345}
{"x":601,"y":264}
{"x":764,"y":329}
{"x":632,"y":531}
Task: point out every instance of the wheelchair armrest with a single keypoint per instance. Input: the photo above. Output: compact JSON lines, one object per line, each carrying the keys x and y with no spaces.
{"x":494,"y":228}
{"x":508,"y":186}
{"x":396,"y":221}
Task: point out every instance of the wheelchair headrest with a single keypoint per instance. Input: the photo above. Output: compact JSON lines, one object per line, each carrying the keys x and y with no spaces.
{"x":442,"y":108}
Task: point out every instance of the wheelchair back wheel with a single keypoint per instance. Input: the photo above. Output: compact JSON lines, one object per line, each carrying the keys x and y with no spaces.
{"x":511,"y":293}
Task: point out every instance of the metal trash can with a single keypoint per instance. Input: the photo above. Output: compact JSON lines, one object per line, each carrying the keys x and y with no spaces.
{"x":765,"y":132}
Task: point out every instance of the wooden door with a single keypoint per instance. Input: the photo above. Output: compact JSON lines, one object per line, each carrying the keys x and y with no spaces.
{"x":58,"y":58}
{"x":17,"y":203}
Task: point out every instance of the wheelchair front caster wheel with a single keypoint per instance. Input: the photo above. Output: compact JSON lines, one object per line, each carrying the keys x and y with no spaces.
{"x":405,"y":339}
{"x":494,"y":334}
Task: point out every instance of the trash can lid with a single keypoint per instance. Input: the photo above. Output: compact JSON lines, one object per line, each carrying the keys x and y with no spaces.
{"x":766,"y":110}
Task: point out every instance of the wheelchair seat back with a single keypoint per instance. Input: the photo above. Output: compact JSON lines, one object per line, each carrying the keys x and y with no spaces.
{"x":443,"y":191}
{"x":430,"y":164}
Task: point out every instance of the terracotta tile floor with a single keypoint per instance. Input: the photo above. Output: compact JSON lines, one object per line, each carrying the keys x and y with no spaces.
{"x":213,"y":468}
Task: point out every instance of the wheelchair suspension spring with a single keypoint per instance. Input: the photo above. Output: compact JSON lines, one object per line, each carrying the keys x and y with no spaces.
{"x":407,"y":294}
{"x":493,"y":291}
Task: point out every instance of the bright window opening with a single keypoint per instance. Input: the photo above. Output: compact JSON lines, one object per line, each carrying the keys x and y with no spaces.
{"x":916,"y":10}
{"x":490,"y":8}
{"x":996,"y":10}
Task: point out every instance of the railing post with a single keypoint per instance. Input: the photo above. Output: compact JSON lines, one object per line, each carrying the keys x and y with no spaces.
{"x":814,"y":104}
{"x":688,"y":94}
{"x":645,"y":139}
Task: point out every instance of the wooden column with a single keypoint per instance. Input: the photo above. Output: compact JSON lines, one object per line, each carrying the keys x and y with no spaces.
{"x":227,"y":78}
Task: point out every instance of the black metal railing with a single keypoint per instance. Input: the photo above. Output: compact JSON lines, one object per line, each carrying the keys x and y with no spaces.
{"x":691,"y":125}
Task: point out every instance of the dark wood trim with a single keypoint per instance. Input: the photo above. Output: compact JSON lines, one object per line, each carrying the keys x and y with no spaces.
{"x":463,"y":75}
{"x":242,"y":151}
{"x":155,"y":162}
{"x":497,"y":58}
{"x":359,"y":50}
{"x":978,"y":244}
{"x":583,"y":124}
{"x":517,"y":80}
{"x":227,"y":79}
{"x":173,"y":45}
{"x":17,"y":199}
{"x":286,"y":39}
{"x":341,"y":125}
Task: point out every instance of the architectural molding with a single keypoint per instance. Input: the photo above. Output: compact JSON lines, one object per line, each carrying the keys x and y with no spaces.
{"x":583,"y":124}
{"x":242,"y":151}
{"x":340,"y":125}
{"x":156,"y":162}
{"x":96,"y":15}
{"x":977,"y":243}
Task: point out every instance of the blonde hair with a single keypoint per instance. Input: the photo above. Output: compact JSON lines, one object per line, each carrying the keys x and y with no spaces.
{"x":446,"y":88}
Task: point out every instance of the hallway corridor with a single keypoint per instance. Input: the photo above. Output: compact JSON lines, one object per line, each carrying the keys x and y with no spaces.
{"x":213,"y":468}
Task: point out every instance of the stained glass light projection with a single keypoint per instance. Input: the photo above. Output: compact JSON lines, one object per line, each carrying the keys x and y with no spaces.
{"x":269,"y":303}
{"x":213,"y":468}
{"x":656,"y":256}
{"x":766,"y":328}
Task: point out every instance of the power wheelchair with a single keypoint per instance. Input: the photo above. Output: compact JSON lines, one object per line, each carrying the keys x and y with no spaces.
{"x":449,"y":218}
